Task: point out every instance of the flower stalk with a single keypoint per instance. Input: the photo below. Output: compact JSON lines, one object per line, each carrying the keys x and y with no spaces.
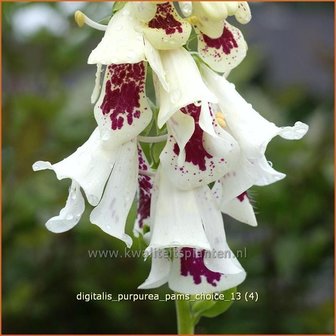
{"x":185,"y":321}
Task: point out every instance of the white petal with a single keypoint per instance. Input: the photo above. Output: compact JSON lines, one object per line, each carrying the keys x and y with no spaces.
{"x":154,"y":60}
{"x":143,"y":11}
{"x":222,"y":145}
{"x":212,"y":29}
{"x":159,"y":271}
{"x":241,"y":209}
{"x":186,"y":7}
{"x":167,"y":30}
{"x":243,"y":13}
{"x":182,"y":127}
{"x":186,"y":86}
{"x":70,"y":214}
{"x":122,"y":43}
{"x":224,"y":52}
{"x":265,"y":173}
{"x":89,"y":166}
{"x":210,"y":17}
{"x":294,"y":133}
{"x":250,"y":129}
{"x":200,"y":167}
{"x":214,"y":229}
{"x":176,"y":220}
{"x":207,"y":271}
{"x":189,"y":275}
{"x":122,"y":111}
{"x":243,"y":176}
{"x":210,"y":10}
{"x":232,"y":7}
{"x":207,"y":120}
{"x":97,"y":87}
{"x":112,"y":211}
{"x":223,"y":259}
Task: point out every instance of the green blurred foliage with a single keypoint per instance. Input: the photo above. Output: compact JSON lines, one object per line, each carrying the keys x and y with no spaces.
{"x":47,"y":115}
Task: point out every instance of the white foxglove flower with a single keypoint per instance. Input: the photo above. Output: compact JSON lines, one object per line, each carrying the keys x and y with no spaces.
{"x":252,"y":132}
{"x":175,"y":217}
{"x":122,"y":113}
{"x":185,"y":84}
{"x":92,"y":167}
{"x":137,"y":31}
{"x":195,"y":271}
{"x":196,"y":152}
{"x":166,"y":30}
{"x":220,"y":45}
{"x":124,"y":43}
{"x":200,"y":158}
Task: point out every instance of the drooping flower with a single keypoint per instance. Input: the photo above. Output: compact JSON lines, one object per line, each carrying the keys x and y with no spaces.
{"x":137,"y":31}
{"x":195,"y":154}
{"x":252,"y":132}
{"x":122,"y":112}
{"x":108,"y":179}
{"x":220,"y":45}
{"x":214,"y":137}
{"x":175,"y":217}
{"x":187,"y":269}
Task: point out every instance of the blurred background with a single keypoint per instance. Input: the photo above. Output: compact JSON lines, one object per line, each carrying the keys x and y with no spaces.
{"x":287,"y":76}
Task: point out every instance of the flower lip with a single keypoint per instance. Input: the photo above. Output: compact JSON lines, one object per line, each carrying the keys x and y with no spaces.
{"x":192,"y":264}
{"x":122,"y":111}
{"x":226,"y":42}
{"x":167,"y":30}
{"x":195,"y":151}
{"x":225,"y":52}
{"x":164,"y":19}
{"x":122,"y":93}
{"x":117,"y":48}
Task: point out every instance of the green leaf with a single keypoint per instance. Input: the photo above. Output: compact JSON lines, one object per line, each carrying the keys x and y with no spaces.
{"x":213,"y":308}
{"x":221,"y":306}
{"x":200,"y":307}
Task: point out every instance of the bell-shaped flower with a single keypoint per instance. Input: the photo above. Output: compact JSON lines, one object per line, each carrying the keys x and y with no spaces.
{"x":124,"y":43}
{"x":166,"y":30}
{"x":196,"y":152}
{"x":175,"y":217}
{"x":136,"y":31}
{"x":220,"y":45}
{"x":252,"y":132}
{"x":108,"y":179}
{"x":190,"y":270}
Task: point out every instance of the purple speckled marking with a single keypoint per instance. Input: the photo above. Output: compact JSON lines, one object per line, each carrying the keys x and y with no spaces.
{"x":242,"y":196}
{"x":123,"y":92}
{"x":145,"y":190}
{"x":192,"y":264}
{"x":195,"y":152}
{"x":164,"y":19}
{"x":226,"y":41}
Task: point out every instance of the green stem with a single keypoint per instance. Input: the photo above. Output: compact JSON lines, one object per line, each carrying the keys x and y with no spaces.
{"x":185,"y":323}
